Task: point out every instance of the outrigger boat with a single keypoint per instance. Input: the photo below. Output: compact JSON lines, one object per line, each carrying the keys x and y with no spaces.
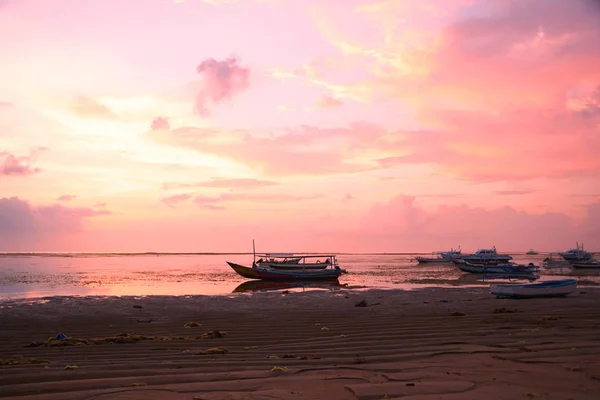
{"x":331,"y":271}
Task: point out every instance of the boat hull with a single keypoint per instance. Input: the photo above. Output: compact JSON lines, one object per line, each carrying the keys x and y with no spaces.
{"x":544,"y":289}
{"x":590,"y":264}
{"x":431,"y":260}
{"x":283,"y":275}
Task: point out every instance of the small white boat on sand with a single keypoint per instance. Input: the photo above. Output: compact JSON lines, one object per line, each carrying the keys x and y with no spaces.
{"x":555,"y":261}
{"x":557,"y":288}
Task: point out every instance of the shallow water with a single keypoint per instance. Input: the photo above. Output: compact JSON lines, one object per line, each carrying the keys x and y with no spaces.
{"x":33,"y":276}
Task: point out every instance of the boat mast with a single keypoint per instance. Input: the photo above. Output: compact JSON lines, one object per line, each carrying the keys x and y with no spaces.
{"x":253,"y":253}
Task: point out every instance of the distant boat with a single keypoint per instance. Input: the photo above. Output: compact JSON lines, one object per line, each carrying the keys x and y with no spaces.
{"x":486,"y":255}
{"x":441,"y":256}
{"x":531,"y":252}
{"x":577,"y":254}
{"x":543,"y":289}
{"x":553,"y":262}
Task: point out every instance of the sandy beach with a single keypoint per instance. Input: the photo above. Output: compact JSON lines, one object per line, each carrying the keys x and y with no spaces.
{"x":423,"y":344}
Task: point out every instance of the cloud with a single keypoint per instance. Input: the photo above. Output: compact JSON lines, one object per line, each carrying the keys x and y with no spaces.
{"x":402,"y":220}
{"x":90,"y":108}
{"x":305,"y":150}
{"x":172,"y":201}
{"x":160,"y":123}
{"x":328,"y":102}
{"x":218,"y":202}
{"x":67,"y":197}
{"x":100,"y":205}
{"x":11,"y":165}
{"x":23,"y":225}
{"x":5,"y":105}
{"x":240,"y":183}
{"x":514,"y":192}
{"x":221,"y":80}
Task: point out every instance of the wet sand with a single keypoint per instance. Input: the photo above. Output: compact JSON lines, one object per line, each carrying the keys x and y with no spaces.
{"x":425,"y":344}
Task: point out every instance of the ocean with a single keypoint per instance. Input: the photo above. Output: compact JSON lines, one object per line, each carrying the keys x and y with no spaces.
{"x":25,"y":276}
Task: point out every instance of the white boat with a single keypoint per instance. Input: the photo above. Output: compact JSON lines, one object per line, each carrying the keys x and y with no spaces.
{"x":587,"y":264}
{"x":531,"y":252}
{"x":290,"y":261}
{"x":486,"y":255}
{"x":577,"y":254}
{"x":543,"y":289}
{"x":441,"y":256}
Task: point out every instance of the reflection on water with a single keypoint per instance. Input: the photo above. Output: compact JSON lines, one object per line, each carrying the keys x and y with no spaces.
{"x":27,"y":276}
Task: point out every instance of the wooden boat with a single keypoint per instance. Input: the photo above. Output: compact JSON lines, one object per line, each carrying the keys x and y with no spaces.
{"x":289,"y":261}
{"x":543,"y":289}
{"x":511,"y":269}
{"x":257,"y":272}
{"x":587,"y":264}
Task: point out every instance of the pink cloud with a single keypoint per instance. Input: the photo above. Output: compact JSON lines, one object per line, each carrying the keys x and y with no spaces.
{"x":239,"y":183}
{"x":100,"y":205}
{"x":90,"y":108}
{"x":302,"y":150}
{"x":160,"y":123}
{"x":402,"y":220}
{"x":172,"y":201}
{"x":221,"y":81}
{"x":23,"y":225}
{"x":19,"y":166}
{"x":328,"y":102}
{"x":67,"y":197}
{"x":5,"y":105}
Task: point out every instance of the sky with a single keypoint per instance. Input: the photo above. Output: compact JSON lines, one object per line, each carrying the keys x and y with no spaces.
{"x":313,"y":125}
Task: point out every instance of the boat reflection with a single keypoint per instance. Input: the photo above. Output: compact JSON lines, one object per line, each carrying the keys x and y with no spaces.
{"x":263,"y":285}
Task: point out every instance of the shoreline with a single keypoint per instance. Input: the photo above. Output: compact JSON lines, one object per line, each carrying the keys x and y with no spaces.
{"x":454,"y":344}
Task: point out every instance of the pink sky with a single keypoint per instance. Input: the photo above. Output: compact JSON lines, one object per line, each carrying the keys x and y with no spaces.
{"x":199,"y":125}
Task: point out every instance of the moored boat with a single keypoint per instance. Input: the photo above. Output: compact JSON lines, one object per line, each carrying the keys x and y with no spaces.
{"x":290,"y":261}
{"x":543,"y":289}
{"x":508,"y":268}
{"x":577,"y":254}
{"x":553,"y":262}
{"x":587,"y":264}
{"x":257,"y":272}
{"x":441,"y":256}
{"x":486,"y":255}
{"x":531,"y":252}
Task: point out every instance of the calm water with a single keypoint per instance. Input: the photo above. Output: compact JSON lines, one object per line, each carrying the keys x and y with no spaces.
{"x":165,"y":274}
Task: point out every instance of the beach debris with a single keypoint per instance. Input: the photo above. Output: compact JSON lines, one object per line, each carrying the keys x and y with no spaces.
{"x":285,"y":292}
{"x":137,"y":384}
{"x":216,"y":334}
{"x":362,"y":303}
{"x":137,"y":306}
{"x":548,"y":318}
{"x":504,"y":310}
{"x":272,"y":357}
{"x":442,"y":301}
{"x":144,"y":320}
{"x":288,"y":356}
{"x":278,"y":369}
{"x":192,"y":324}
{"x":576,"y":368}
{"x":324,"y":328}
{"x":250,"y":348}
{"x":213,"y":350}
{"x":532,"y":395}
{"x":61,"y":336}
{"x":71,"y":367}
{"x":458,"y":314}
{"x":342,"y":336}
{"x":20,"y":360}
{"x":410,"y":384}
{"x":359,"y":359}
